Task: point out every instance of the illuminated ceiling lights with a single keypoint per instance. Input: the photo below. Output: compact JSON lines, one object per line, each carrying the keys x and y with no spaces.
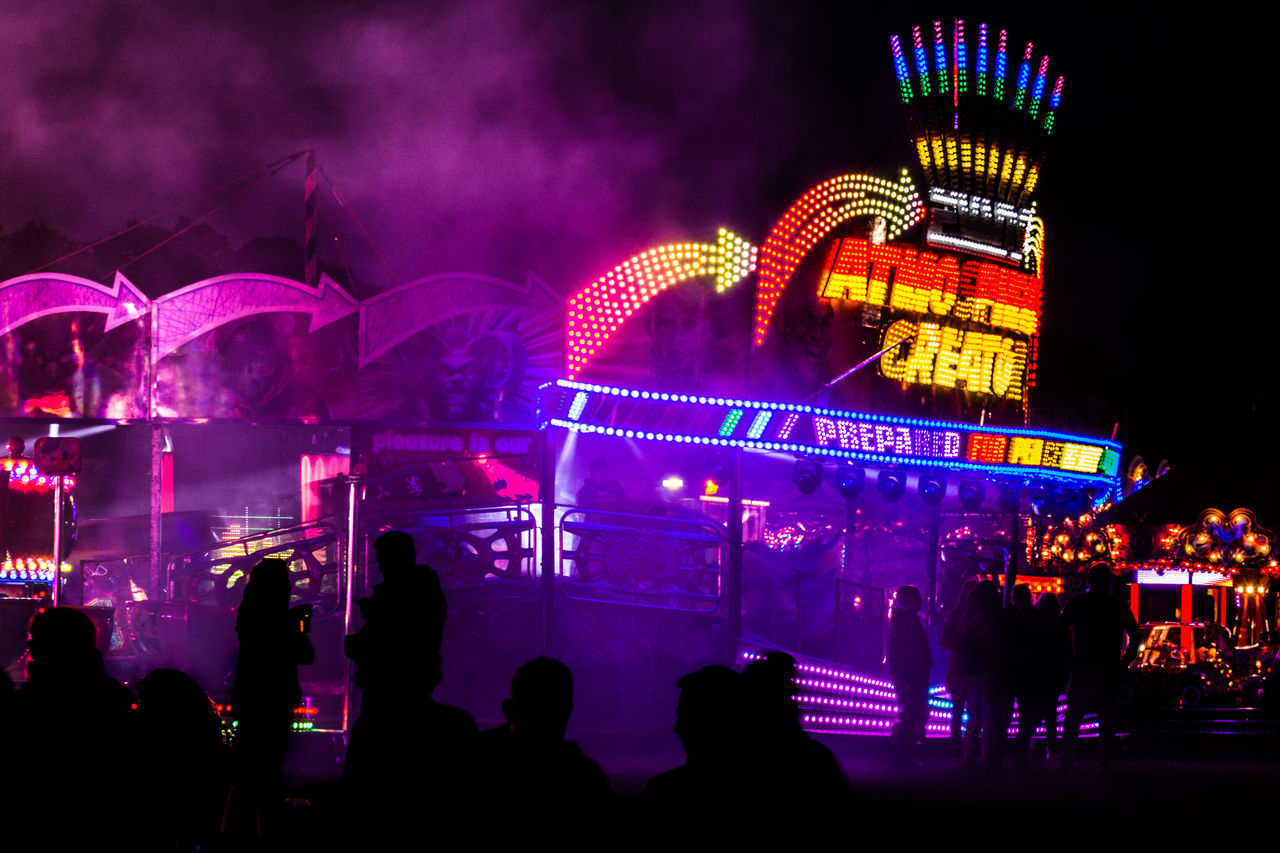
{"x":971,"y":494}
{"x":596,"y":311}
{"x":815,"y":215}
{"x":932,"y":489}
{"x":22,"y":569}
{"x":849,"y":481}
{"x":23,"y":475}
{"x":807,"y":477}
{"x":891,"y":485}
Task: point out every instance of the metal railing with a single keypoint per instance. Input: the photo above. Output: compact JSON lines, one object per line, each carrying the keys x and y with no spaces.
{"x":217,"y":575}
{"x":469,"y":547}
{"x":624,"y":558}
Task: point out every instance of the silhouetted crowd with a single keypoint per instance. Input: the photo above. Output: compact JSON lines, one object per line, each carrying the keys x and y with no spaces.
{"x":184,"y":789}
{"x":1022,"y":656}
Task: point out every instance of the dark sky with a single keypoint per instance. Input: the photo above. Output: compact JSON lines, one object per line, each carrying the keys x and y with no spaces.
{"x":497,"y":136}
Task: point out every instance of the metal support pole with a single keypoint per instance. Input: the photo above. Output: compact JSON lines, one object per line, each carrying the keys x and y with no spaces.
{"x":846,"y":568}
{"x":733,"y":586}
{"x":935,"y":539}
{"x":1011,"y":568}
{"x":55,"y":589}
{"x":850,"y":530}
{"x":355,"y":489}
{"x":310,"y":268}
{"x":156,"y":570}
{"x":800,"y":611}
{"x":547,"y":559}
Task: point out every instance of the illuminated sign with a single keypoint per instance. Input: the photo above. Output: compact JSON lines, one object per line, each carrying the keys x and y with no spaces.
{"x":985,"y":134}
{"x":1036,"y":583}
{"x":952,"y":358}
{"x":975,"y":205}
{"x":597,"y":311}
{"x":942,"y":353}
{"x":806,"y":430}
{"x":894,"y":276}
{"x":1151,"y":577}
{"x":449,"y":443}
{"x":979,"y":225}
{"x":815,"y":215}
{"x":999,"y":215}
{"x":448,"y":467}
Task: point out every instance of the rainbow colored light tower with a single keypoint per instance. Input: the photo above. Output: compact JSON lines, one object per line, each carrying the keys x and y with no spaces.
{"x":981,"y":147}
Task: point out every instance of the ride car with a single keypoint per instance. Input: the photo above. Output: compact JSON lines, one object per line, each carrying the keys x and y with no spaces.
{"x":1187,"y":663}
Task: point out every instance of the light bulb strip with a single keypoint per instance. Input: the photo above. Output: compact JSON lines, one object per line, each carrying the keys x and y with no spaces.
{"x":815,"y":215}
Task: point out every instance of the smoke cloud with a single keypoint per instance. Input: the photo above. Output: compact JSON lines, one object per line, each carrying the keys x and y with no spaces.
{"x":490,"y":136}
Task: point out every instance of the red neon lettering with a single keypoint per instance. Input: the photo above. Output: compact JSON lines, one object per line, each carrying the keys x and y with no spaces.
{"x":986,"y":448}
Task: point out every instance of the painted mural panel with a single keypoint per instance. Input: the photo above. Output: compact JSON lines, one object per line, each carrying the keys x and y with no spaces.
{"x":265,"y":349}
{"x":72,"y":348}
{"x":457,"y":348}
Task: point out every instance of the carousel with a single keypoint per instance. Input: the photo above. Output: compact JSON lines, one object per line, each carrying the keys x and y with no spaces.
{"x":712,"y":449}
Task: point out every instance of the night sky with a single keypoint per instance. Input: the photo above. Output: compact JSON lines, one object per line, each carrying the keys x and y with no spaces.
{"x":499,"y":137}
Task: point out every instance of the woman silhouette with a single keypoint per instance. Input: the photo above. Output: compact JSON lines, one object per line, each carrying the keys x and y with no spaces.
{"x":273,"y":642}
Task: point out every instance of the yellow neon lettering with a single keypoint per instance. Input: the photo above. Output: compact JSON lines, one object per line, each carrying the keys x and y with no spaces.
{"x":1025,"y":451}
{"x":948,"y":360}
{"x":1010,"y":362}
{"x":970,"y":367}
{"x":1081,"y":457}
{"x":884,"y":259}
{"x":920,"y":360}
{"x":893,"y":365}
{"x":942,"y":355}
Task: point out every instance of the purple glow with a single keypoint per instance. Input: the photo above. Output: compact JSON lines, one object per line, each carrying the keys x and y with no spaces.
{"x":31,"y":296}
{"x":838,"y":700}
{"x":189,"y":312}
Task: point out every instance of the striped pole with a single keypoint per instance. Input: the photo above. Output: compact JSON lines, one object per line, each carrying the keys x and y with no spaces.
{"x":311,"y":275}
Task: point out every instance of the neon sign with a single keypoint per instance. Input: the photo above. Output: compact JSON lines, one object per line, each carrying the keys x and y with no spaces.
{"x":998,"y":152}
{"x":814,"y":215}
{"x":952,"y":358}
{"x":934,"y":287}
{"x":895,"y":276}
{"x":794,"y":428}
{"x":597,"y":311}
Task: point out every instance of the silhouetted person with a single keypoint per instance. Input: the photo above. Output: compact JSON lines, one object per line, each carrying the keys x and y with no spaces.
{"x":406,"y":749}
{"x":273,"y":643}
{"x":791,"y":766}
{"x":709,"y":723}
{"x":959,"y":678}
{"x":403,"y":623}
{"x":187,"y":767}
{"x":529,"y":753}
{"x":1051,"y":672}
{"x":600,"y":491}
{"x":1026,"y":665}
{"x":1095,"y":625}
{"x":909,"y":664}
{"x":7,"y":692}
{"x":396,"y":653}
{"x":69,"y":710}
{"x":1271,"y":682}
{"x":984,"y":644}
